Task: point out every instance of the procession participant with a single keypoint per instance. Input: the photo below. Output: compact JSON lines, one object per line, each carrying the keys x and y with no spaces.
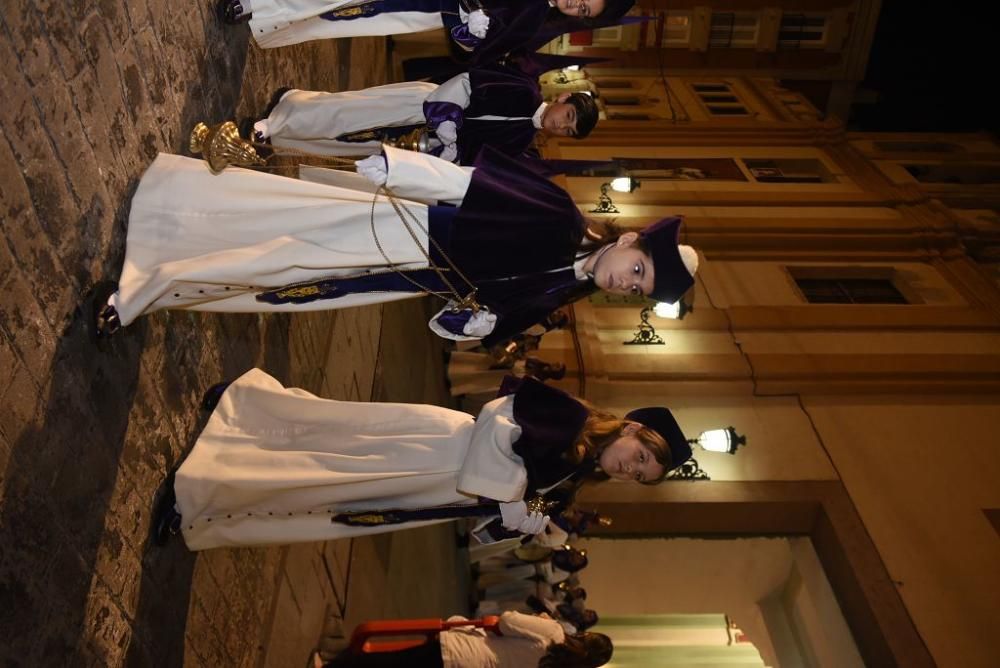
{"x":484,"y":29}
{"x":525,"y":641}
{"x":515,"y":248}
{"x":276,"y":465}
{"x":498,"y":106}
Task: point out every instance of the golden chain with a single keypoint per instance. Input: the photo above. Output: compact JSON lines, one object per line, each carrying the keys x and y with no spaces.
{"x":466,"y":302}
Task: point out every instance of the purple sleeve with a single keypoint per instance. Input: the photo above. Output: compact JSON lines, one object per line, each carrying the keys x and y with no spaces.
{"x":454,"y":322}
{"x":466,"y":40}
{"x":438,"y":112}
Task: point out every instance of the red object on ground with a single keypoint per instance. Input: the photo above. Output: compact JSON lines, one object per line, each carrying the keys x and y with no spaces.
{"x":364,"y":639}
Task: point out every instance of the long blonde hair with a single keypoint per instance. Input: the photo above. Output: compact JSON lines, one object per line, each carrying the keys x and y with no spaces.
{"x":602,"y":428}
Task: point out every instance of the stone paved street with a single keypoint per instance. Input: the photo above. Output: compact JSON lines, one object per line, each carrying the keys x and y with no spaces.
{"x":93,"y":90}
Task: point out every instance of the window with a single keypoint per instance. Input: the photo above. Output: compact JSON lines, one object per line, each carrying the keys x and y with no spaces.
{"x":850,"y":291}
{"x":956,"y":173}
{"x":917,"y":147}
{"x":726,"y":110}
{"x":798,"y":31}
{"x":630,"y":100}
{"x":676,"y":29}
{"x":623,"y":116}
{"x":783,"y":170}
{"x":733,"y":30}
{"x":852,"y":284}
{"x":610,"y":36}
{"x":719,"y":99}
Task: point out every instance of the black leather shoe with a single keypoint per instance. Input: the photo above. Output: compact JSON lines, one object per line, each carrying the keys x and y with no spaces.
{"x":212,"y":395}
{"x":275,"y":99}
{"x":246,"y":128}
{"x":104,"y":320}
{"x":166,"y":519}
{"x":231,"y":12}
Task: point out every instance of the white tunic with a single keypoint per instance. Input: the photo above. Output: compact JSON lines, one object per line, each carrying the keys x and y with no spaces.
{"x":212,"y":242}
{"x":312,"y":120}
{"x":274,"y":464}
{"x":284,"y":22}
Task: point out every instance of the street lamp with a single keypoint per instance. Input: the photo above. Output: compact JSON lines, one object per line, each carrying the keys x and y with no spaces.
{"x":719,"y":440}
{"x":621,"y":184}
{"x":645,"y":334}
{"x":625,"y":184}
{"x":562,"y":75}
{"x":689,"y":470}
{"x":713,"y":440}
{"x":675,"y":311}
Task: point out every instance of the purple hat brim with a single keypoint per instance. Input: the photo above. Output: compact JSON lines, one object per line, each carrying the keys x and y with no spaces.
{"x":671,"y":279}
{"x":662,"y":421}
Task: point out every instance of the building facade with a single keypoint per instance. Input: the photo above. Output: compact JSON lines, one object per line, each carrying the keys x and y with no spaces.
{"x":846,"y":320}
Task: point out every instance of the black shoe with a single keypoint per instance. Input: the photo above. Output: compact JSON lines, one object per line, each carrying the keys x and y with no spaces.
{"x":104,"y":320}
{"x":247,"y":131}
{"x":166,"y":519}
{"x":213,"y":394}
{"x":275,"y":99}
{"x":231,"y":12}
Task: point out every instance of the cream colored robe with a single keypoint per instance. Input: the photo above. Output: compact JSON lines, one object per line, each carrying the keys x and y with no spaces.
{"x":285,"y":22}
{"x":211,"y":242}
{"x":311,"y":121}
{"x":274,"y":464}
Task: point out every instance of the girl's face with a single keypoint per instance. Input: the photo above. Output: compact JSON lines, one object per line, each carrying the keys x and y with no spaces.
{"x":626,"y":458}
{"x":581,"y":8}
{"x":623,"y":269}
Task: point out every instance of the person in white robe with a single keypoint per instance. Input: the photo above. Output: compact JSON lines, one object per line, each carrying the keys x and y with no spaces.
{"x":273,"y":465}
{"x":275,"y":23}
{"x":216,"y":242}
{"x":495,"y":105}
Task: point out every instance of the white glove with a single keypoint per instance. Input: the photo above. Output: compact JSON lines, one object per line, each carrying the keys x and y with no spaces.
{"x":449,"y":152}
{"x":478,"y":23}
{"x":515,"y":516}
{"x":480,"y":324}
{"x":447,"y":132}
{"x":374,"y":169}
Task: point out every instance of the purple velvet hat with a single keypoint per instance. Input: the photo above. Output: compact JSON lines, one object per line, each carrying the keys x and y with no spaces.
{"x":671,"y":278}
{"x":662,"y":421}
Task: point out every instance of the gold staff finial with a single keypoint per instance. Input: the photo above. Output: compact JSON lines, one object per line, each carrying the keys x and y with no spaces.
{"x":220,"y":146}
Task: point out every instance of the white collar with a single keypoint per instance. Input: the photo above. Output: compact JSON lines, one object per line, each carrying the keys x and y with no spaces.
{"x":536,"y":118}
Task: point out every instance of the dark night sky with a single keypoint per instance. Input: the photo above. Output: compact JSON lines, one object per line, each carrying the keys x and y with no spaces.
{"x":934,"y":66}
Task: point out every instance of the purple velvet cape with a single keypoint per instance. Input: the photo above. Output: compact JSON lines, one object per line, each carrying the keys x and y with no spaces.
{"x":550,"y":422}
{"x":512,"y":23}
{"x":499,"y":91}
{"x":529,"y":25}
{"x":515,"y":236}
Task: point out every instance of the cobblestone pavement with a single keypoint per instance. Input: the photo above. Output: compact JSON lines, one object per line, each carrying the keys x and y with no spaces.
{"x":93,"y":90}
